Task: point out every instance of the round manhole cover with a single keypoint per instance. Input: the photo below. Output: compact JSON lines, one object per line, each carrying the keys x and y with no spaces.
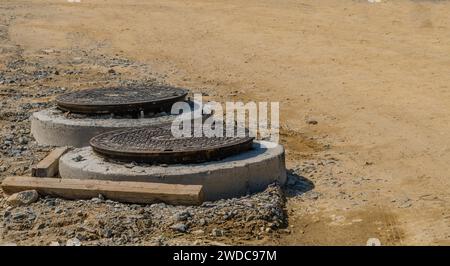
{"x":121,"y":99}
{"x":157,"y":145}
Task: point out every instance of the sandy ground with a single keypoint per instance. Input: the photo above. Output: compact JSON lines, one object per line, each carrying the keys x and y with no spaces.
{"x":374,"y":77}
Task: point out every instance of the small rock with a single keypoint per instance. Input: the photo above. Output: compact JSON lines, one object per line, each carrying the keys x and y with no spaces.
{"x":182,"y":216}
{"x":23,"y":198}
{"x":130,"y":165}
{"x":8,"y":244}
{"x":50,"y":202}
{"x":48,"y":51}
{"x":19,"y":216}
{"x":202,"y":222}
{"x":73,"y":242}
{"x":100,"y":196}
{"x":312,"y":121}
{"x":217,"y":232}
{"x":79,"y":158}
{"x":198,"y":232}
{"x":22,"y":141}
{"x":312,"y":195}
{"x":249,"y":218}
{"x":96,"y":200}
{"x":180,"y":227}
{"x":54,"y":244}
{"x":40,"y":226}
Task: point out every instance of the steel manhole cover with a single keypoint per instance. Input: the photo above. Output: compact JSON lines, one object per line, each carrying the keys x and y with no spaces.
{"x":157,"y":145}
{"x":121,"y":99}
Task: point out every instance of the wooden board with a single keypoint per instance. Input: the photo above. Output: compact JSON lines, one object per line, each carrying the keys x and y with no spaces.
{"x":131,"y":192}
{"x":49,"y":166}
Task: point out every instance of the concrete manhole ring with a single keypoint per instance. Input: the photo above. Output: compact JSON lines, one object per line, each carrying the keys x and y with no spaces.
{"x":237,"y":175}
{"x":52,"y":127}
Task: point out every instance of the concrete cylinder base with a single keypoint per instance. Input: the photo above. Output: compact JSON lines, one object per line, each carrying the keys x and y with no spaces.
{"x":234,"y":176}
{"x":52,"y":127}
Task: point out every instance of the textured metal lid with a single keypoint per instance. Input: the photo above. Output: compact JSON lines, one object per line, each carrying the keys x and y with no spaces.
{"x":121,"y":99}
{"x":157,"y":145}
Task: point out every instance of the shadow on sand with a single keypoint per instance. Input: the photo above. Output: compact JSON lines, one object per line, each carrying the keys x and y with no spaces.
{"x":296,"y":185}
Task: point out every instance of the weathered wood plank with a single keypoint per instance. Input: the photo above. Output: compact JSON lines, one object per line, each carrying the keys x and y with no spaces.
{"x":48,"y":167}
{"x":131,"y":192}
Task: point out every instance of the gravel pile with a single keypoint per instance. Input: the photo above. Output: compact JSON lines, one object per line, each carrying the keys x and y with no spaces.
{"x":104,"y":222}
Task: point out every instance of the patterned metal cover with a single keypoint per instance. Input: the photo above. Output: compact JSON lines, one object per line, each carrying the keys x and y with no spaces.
{"x":121,"y":99}
{"x":157,"y":145}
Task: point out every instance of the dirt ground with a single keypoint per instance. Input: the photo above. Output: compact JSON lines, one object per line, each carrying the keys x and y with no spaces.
{"x":373,"y":75}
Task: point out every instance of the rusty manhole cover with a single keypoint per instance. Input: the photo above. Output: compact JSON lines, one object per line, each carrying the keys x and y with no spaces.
{"x":121,"y":99}
{"x":157,"y":145}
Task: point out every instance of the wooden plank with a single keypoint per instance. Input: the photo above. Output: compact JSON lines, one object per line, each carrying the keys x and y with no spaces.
{"x":49,"y":166}
{"x":131,"y":192}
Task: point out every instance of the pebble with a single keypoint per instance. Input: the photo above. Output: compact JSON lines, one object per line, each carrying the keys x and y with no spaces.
{"x":130,"y":165}
{"x":23,"y":198}
{"x":50,"y":202}
{"x":22,"y":141}
{"x":96,"y":200}
{"x":198,"y":232}
{"x":202,"y":222}
{"x":182,"y":216}
{"x":8,"y":244}
{"x":19,"y":216}
{"x":48,"y":51}
{"x":217,"y":232}
{"x":312,"y":121}
{"x":180,"y":227}
{"x":54,"y":244}
{"x":312,"y":195}
{"x":73,"y":242}
{"x":79,"y":158}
